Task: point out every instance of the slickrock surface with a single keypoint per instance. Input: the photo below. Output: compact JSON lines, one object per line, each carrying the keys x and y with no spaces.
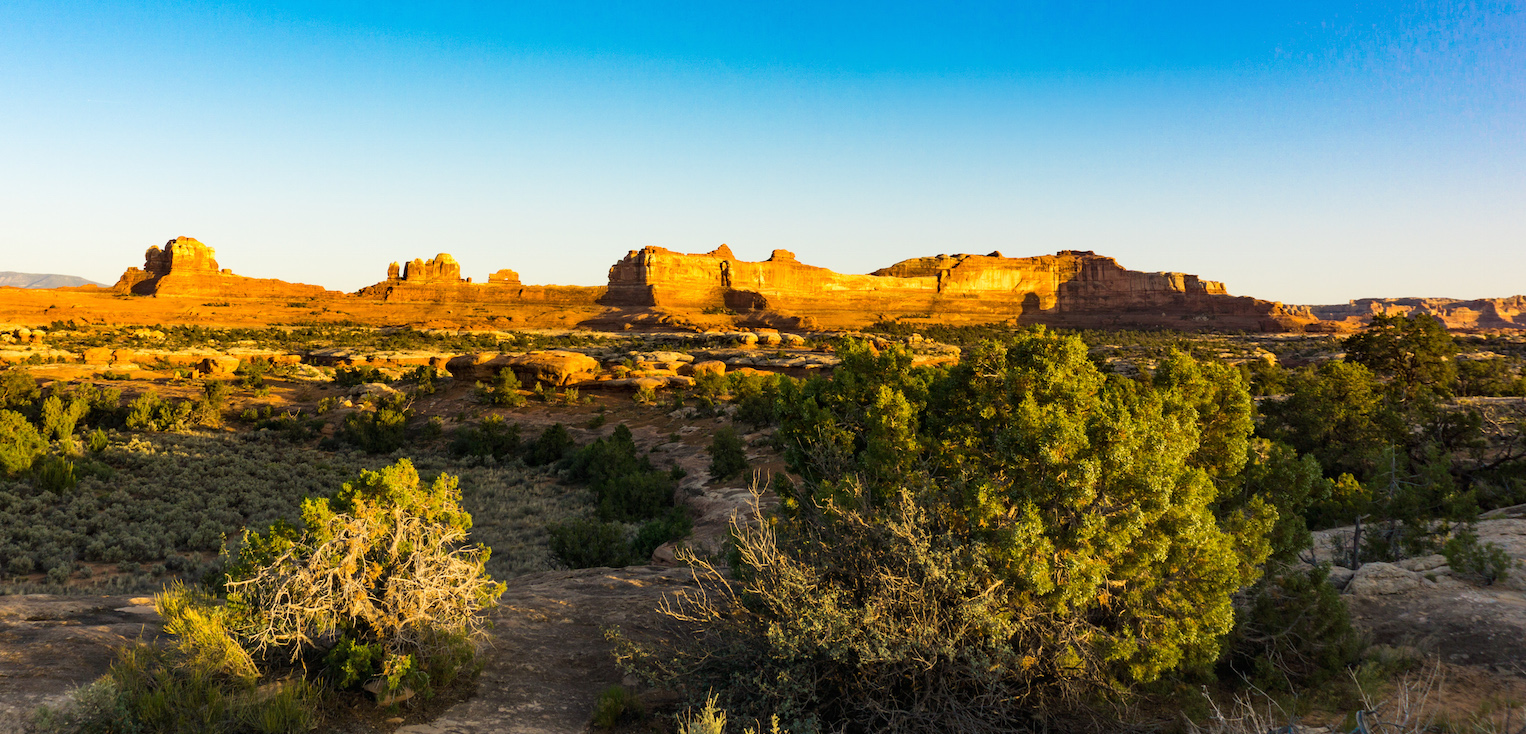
{"x":50,"y":645}
{"x":1423,"y":603}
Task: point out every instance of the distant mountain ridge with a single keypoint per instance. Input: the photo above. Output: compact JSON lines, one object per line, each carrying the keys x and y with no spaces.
{"x":41,"y":280}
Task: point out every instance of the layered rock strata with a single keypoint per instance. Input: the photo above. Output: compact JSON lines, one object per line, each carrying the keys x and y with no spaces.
{"x":1070,"y":288}
{"x":186,"y":267}
{"x":1483,"y":313}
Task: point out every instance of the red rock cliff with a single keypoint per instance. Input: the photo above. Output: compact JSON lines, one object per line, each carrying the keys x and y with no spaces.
{"x":1069,"y":288}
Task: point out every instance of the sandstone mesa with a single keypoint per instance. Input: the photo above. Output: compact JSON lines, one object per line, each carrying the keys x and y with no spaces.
{"x":654,"y":287}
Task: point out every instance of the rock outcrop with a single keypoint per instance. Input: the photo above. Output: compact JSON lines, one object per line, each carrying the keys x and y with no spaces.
{"x":186,"y":267}
{"x":439,"y":280}
{"x":1483,"y":313}
{"x":1070,"y":288}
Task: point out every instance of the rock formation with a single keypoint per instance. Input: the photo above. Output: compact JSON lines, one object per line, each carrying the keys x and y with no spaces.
{"x":1483,"y":313}
{"x":1070,"y":288}
{"x":186,"y":267}
{"x":439,"y":281}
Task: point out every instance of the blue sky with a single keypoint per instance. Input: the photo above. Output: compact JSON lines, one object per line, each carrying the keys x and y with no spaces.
{"x":1303,"y":152}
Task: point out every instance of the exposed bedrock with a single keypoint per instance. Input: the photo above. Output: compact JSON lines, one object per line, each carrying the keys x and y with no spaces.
{"x":1070,"y":288}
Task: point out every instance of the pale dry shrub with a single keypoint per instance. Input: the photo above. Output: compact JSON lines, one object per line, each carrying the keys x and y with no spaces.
{"x":386,"y":562}
{"x":1407,"y":709}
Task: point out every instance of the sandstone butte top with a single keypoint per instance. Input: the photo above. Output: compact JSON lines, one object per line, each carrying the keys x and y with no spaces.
{"x":1069,"y":288}
{"x":186,"y":267}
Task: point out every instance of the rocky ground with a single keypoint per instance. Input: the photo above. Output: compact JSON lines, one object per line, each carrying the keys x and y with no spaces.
{"x":52,"y":644}
{"x":1422,"y":603}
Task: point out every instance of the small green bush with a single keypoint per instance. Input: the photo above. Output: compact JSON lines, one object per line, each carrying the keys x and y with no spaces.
{"x":617,"y":706}
{"x":426,"y":379}
{"x":645,"y":395}
{"x":503,"y":391}
{"x":150,"y":412}
{"x":18,"y":389}
{"x":589,"y":543}
{"x":548,"y":448}
{"x":757,"y":396}
{"x":675,"y":525}
{"x":628,"y":488}
{"x":728,"y":458}
{"x":385,"y":562}
{"x":97,"y":442}
{"x":381,"y":431}
{"x":54,"y":474}
{"x":361,"y":375}
{"x":493,"y":437}
{"x":1485,"y":562}
{"x":1292,"y":631}
{"x":20,"y":443}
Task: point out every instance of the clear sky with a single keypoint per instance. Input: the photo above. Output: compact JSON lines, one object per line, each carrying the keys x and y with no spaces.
{"x":1309,"y":152}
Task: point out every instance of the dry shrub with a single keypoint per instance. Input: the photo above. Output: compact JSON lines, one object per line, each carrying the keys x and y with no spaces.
{"x":384,"y":564}
{"x":1407,"y":709}
{"x":879,"y":628}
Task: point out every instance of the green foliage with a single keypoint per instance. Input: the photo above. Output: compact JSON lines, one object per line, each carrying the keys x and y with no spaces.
{"x":1292,"y":632}
{"x":351,"y":664}
{"x":1335,"y":412}
{"x":675,"y":525}
{"x":1265,"y":378}
{"x":589,"y":543}
{"x":360,"y":375}
{"x":59,"y":418}
{"x":384,"y":562}
{"x":504,"y":390}
{"x":1291,"y":484}
{"x":20,"y":443}
{"x":550,"y":446}
{"x":54,"y":474}
{"x":1489,"y":377}
{"x":426,"y":379}
{"x":1415,"y":352}
{"x":1410,"y":506}
{"x":626,"y":485}
{"x":1020,"y":529}
{"x":728,"y":458}
{"x":493,"y":437}
{"x":150,"y":412}
{"x":1486,"y":562}
{"x":202,"y":681}
{"x":381,"y":431}
{"x":18,"y":389}
{"x":645,"y":395}
{"x":98,"y":441}
{"x":617,"y":706}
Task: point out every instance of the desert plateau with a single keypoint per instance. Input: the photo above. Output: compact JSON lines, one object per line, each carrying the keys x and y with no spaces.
{"x":762,"y":368}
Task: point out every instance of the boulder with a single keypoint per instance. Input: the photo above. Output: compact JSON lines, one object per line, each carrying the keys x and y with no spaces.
{"x":1340,"y":576}
{"x":1423,"y":563}
{"x":97,"y":355}
{"x":555,"y":367}
{"x":123,"y":356}
{"x":707,"y":367}
{"x":1381,"y":579}
{"x":220,"y":365}
{"x":792,"y":340}
{"x":636,"y":383}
